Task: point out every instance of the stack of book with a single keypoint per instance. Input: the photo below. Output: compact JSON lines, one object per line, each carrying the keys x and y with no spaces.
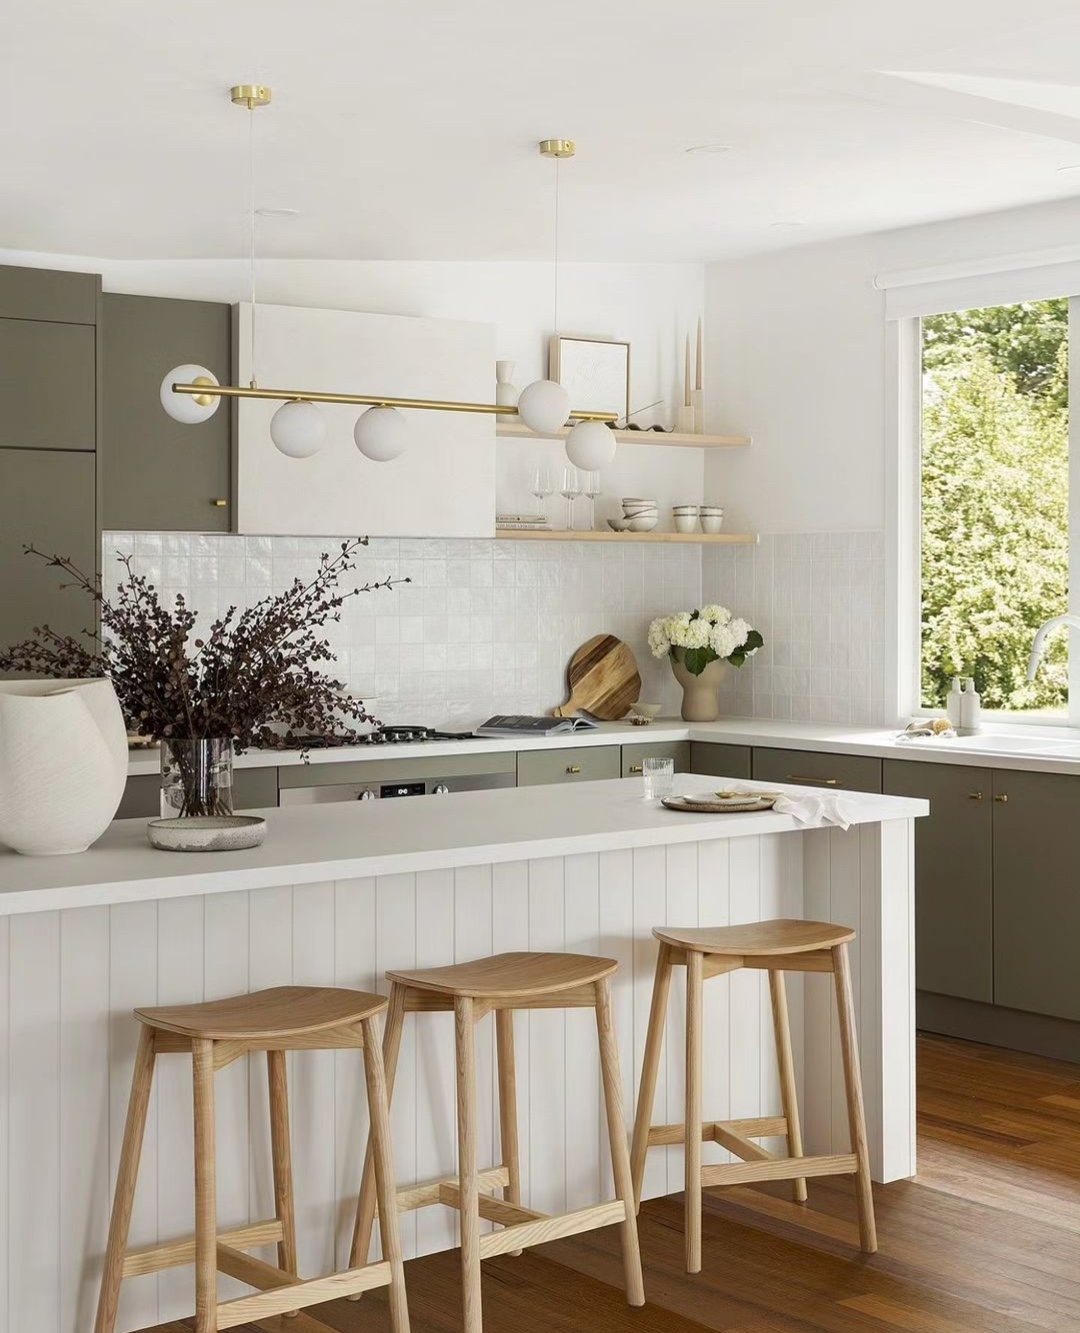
{"x":521,"y":520}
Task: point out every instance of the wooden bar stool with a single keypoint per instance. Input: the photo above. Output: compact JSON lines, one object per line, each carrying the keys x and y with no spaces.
{"x":502,"y":984}
{"x":287,"y":1018}
{"x":777,"y":947}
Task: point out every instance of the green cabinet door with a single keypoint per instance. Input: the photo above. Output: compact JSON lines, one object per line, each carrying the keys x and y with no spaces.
{"x":577,"y":763}
{"x":720,"y":761}
{"x":805,"y":768}
{"x":954,"y":906}
{"x":1037,"y":893}
{"x":48,"y":385}
{"x":47,"y":500}
{"x":158,"y":474}
{"x":634,"y":756}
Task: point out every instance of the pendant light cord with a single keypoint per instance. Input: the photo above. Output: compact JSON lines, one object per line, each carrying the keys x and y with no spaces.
{"x":555,"y":249}
{"x":251,"y":233}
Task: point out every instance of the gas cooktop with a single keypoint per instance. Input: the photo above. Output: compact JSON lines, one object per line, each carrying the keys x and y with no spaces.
{"x":400,"y":735}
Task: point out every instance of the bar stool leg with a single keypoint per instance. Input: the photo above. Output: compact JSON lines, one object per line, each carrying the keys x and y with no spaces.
{"x":202,"y":1059}
{"x":654,"y":1042}
{"x":508,"y":1121}
{"x":126,"y":1178}
{"x":789,"y":1099}
{"x":281,"y":1154}
{"x":620,"y":1156}
{"x":849,"y":1048}
{"x":360,"y":1252}
{"x":382,"y":1160}
{"x":468,"y":1187}
{"x":695,"y":967}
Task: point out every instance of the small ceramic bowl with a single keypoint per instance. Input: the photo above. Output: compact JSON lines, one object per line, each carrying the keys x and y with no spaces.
{"x":642,"y":523}
{"x":712,"y":523}
{"x":648,"y":710}
{"x":617,"y":524}
{"x":686,"y":522}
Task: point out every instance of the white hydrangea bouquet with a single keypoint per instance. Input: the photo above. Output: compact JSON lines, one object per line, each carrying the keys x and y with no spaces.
{"x":697,"y":638}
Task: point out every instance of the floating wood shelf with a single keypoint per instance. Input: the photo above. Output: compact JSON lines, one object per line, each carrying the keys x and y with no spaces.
{"x":515,"y":431}
{"x":561,"y":535}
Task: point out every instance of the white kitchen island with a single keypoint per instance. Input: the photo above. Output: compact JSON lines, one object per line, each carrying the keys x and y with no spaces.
{"x":340,"y":893}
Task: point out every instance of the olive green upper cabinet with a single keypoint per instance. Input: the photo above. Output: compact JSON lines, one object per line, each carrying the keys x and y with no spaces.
{"x":954,"y":908}
{"x":48,"y":359}
{"x":158,"y":474}
{"x":1037,"y":893}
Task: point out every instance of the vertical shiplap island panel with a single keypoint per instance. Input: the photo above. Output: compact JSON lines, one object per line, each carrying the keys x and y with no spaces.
{"x":70,"y":978}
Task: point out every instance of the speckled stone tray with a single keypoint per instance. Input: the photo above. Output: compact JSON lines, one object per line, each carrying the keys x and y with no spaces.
{"x":703,"y":806}
{"x":206,"y":833}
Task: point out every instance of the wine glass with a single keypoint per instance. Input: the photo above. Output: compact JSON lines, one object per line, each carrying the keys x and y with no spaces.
{"x":592,"y":493}
{"x":541,"y":487}
{"x":570,"y":490}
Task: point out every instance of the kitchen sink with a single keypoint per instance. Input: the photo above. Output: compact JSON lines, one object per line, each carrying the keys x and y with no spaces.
{"x":1033,"y":745}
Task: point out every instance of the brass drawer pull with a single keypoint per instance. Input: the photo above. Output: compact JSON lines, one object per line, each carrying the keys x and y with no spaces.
{"x":975,"y":795}
{"x":1001,"y":798}
{"x":573,"y":768}
{"x":637,"y":768}
{"x":818,"y":782}
{"x":219,"y":504}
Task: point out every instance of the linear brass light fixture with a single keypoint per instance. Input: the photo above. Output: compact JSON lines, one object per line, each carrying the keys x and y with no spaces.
{"x":191,"y":393}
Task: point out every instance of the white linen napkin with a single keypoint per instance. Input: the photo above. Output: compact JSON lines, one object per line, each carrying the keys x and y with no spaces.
{"x":811,"y":808}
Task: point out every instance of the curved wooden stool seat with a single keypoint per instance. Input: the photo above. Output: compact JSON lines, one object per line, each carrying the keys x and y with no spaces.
{"x":502,"y":984}
{"x":214,"y":1034}
{"x":776,"y":947}
{"x":509,"y":976}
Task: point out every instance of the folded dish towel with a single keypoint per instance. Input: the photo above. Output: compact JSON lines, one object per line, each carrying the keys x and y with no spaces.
{"x":812,"y":808}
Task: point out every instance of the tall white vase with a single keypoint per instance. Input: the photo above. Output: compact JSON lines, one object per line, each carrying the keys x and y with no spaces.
{"x":63,"y":764}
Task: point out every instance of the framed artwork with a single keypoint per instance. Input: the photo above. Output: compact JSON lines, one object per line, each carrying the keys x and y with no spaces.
{"x":595,"y":372}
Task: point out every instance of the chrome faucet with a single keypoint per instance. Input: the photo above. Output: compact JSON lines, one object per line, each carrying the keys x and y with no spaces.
{"x":1040,"y":640}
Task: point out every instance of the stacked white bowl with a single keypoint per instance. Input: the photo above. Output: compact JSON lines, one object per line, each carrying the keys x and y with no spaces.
{"x":686,"y":517}
{"x":712,"y":518}
{"x":640,"y":515}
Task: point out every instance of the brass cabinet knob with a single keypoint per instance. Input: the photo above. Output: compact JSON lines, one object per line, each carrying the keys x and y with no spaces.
{"x":975,"y":795}
{"x":573,"y":768}
{"x":1002,"y":799}
{"x":219,"y":504}
{"x":637,"y":768}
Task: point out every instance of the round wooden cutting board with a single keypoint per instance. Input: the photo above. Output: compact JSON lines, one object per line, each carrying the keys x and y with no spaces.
{"x":603,"y":680}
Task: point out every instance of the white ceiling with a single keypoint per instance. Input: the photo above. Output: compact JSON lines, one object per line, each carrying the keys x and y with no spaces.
{"x":406,"y":129}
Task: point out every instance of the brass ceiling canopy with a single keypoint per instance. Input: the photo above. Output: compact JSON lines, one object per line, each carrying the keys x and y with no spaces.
{"x":557,"y":148}
{"x":250,"y":95}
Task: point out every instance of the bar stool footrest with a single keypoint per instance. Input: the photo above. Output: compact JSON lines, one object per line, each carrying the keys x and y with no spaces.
{"x":299,"y":1295}
{"x":779,"y":1168}
{"x":765,"y":1127}
{"x":176,"y":1253}
{"x":524,"y":1234}
{"x":427,"y":1192}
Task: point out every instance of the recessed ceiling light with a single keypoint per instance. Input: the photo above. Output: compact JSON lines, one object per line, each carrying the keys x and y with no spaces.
{"x":786,"y":226}
{"x":278,"y":212}
{"x":710,"y":148}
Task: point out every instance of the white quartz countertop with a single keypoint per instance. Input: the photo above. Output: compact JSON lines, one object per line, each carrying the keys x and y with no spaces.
{"x":1035,"y":748}
{"x":354,"y":840}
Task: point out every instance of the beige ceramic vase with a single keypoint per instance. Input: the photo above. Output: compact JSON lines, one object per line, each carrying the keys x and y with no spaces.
{"x":63,"y":764}
{"x":700,"y":703}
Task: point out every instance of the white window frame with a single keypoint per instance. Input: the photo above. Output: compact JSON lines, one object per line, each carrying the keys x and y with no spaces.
{"x":903,"y":513}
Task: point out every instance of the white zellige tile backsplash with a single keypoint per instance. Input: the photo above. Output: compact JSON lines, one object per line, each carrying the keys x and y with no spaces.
{"x":487,"y":626}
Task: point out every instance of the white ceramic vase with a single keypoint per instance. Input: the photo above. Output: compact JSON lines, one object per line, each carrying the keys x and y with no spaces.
{"x":63,"y":764}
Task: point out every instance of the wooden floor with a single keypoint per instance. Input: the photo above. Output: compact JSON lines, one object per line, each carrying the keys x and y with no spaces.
{"x":985,"y":1240}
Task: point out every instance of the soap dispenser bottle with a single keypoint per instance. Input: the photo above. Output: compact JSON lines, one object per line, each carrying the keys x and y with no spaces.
{"x":954,"y":703}
{"x":970,"y":708}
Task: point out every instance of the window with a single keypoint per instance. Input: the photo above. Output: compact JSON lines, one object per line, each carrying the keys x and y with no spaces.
{"x":994,"y":499}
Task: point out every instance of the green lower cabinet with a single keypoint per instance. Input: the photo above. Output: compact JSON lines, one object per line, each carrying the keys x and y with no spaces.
{"x":807,"y":768}
{"x":1037,"y":893}
{"x":954,"y":875}
{"x":634,"y":756}
{"x":577,"y":764}
{"x":720,"y":761}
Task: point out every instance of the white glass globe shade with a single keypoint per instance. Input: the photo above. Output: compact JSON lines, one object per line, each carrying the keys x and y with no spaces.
{"x":298,"y":429}
{"x":590,"y":445}
{"x":544,"y":406}
{"x":381,"y":433}
{"x":182,"y":406}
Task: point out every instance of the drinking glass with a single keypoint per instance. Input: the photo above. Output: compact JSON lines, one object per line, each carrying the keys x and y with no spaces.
{"x":542,"y":487}
{"x":659,"y":778}
{"x":592,"y":493}
{"x":570,"y":490}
